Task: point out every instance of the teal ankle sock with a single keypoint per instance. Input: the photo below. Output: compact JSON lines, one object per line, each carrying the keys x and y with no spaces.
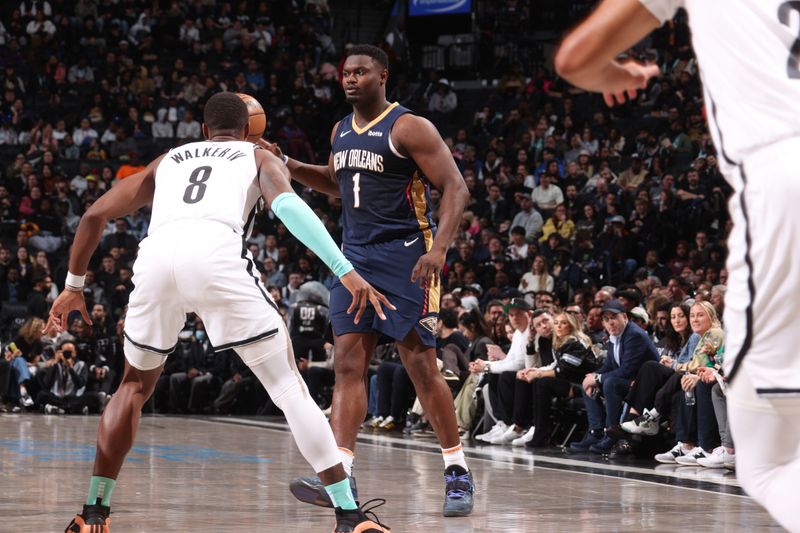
{"x":100,"y":488}
{"x":341,"y":495}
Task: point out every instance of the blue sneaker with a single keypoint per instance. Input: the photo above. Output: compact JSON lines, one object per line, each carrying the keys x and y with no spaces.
{"x":309,"y":489}
{"x":604,"y":446}
{"x":458,"y":491}
{"x":589,"y":440}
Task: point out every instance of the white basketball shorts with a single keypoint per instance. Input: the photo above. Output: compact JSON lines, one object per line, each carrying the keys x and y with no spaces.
{"x":762,"y":304}
{"x":201,"y":267}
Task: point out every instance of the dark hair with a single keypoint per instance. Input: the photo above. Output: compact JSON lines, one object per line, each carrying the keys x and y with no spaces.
{"x":518,"y":230}
{"x":225,"y":112}
{"x":369,"y":50}
{"x":674,"y":340}
{"x":449,"y":318}
{"x":473,"y":321}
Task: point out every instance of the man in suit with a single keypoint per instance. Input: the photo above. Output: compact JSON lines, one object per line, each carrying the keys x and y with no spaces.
{"x":628,"y":349}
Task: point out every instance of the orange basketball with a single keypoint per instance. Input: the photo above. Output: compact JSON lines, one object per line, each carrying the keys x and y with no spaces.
{"x":258,"y":118}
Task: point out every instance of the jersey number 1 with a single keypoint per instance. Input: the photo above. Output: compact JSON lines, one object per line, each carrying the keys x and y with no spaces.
{"x":356,"y":189}
{"x":793,"y":63}
{"x":197,"y":185}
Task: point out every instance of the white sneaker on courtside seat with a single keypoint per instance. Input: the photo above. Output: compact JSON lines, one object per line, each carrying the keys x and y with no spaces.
{"x":499,"y":428}
{"x":525,"y":438}
{"x":669,"y":457}
{"x":690,"y":459}
{"x":507,"y":436}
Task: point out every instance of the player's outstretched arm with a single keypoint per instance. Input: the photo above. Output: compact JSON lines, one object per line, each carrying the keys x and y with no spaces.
{"x":587,"y":57}
{"x":130,"y":194}
{"x":304,"y":224}
{"x":321,"y":178}
{"x":419,"y":139}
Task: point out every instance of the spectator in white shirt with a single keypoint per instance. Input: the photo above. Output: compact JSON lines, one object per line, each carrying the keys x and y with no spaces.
{"x":189,"y":33}
{"x":29,"y":8}
{"x":161,"y":128}
{"x":188,"y":128}
{"x":547,"y":196}
{"x":83,"y":135}
{"x":444,"y":100}
{"x":80,"y":73}
{"x":40,"y":25}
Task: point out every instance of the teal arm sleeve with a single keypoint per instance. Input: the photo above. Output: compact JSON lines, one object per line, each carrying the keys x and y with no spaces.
{"x":304,"y":224}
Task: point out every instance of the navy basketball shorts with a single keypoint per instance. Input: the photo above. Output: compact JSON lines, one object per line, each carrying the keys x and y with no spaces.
{"x":387,"y":267}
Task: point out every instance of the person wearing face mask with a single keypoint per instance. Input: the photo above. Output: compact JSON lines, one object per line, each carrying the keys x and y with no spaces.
{"x":195,"y":350}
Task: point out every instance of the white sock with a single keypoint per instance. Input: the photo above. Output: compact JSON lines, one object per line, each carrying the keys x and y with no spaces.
{"x":348,"y":458}
{"x":454,"y":456}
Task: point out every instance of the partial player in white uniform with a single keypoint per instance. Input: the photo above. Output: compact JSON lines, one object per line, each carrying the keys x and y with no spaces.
{"x":205,"y":196}
{"x":749,"y":53}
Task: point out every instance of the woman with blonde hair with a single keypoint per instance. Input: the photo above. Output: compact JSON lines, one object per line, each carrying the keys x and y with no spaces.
{"x":538,"y":279}
{"x":25,"y":350}
{"x":568,"y":364}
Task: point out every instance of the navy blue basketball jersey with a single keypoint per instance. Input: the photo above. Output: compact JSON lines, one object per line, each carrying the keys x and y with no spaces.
{"x":384,"y":195}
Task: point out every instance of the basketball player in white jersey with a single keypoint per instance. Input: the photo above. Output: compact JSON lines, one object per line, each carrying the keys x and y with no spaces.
{"x":205,"y":196}
{"x":748,"y":53}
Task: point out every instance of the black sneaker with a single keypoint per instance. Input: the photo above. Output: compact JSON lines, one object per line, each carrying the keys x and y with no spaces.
{"x":310,"y":489}
{"x":358,"y":521}
{"x":93,"y":519}
{"x":459,"y":489}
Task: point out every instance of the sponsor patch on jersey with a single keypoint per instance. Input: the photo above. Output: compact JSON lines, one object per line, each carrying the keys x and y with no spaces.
{"x":371,"y":133}
{"x":429,"y":323}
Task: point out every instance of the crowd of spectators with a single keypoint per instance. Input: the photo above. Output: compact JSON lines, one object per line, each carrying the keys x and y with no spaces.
{"x":583,"y":222}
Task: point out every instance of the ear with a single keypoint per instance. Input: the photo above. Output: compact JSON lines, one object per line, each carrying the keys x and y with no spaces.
{"x":384,"y":76}
{"x":206,"y":131}
{"x":246,"y":130}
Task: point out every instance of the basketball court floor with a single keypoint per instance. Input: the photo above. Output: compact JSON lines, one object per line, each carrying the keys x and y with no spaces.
{"x":231,"y":475}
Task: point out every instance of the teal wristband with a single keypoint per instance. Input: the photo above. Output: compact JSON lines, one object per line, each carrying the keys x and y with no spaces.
{"x":303,"y":223}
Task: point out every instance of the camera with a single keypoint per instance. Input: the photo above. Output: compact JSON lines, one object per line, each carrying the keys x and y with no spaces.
{"x":67,"y":354}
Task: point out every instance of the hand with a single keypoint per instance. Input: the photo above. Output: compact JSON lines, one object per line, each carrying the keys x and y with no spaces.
{"x":495,"y":353}
{"x":273,"y":148}
{"x":66,"y":302}
{"x":363,"y":291}
{"x":427,"y":269}
{"x":689,"y":382}
{"x":638,"y":76}
{"x":477,"y":366}
{"x":192,"y":373}
{"x":532,"y":374}
{"x":707,"y":374}
{"x":522,"y":373}
{"x":666,"y":360}
{"x":237,"y":377}
{"x":589,"y":384}
{"x":69,"y":363}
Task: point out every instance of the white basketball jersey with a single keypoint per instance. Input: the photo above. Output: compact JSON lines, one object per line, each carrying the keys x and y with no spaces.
{"x":206,"y":181}
{"x":748,"y":51}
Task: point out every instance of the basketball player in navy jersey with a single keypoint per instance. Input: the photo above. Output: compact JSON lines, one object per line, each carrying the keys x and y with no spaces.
{"x":383,"y":161}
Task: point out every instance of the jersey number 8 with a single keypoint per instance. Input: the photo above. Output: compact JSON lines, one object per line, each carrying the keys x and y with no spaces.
{"x":197,"y":185}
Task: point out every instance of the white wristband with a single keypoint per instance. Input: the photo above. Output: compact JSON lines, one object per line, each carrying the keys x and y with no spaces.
{"x":285,"y":159}
{"x":74,"y":282}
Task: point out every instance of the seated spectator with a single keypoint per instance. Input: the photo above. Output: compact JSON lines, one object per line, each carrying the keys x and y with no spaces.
{"x":559,"y":224}
{"x":628,"y":349}
{"x":547,"y":196}
{"x":528,"y":218}
{"x":696,"y":423}
{"x":538,"y":279}
{"x":572,"y":355}
{"x":519,"y":314}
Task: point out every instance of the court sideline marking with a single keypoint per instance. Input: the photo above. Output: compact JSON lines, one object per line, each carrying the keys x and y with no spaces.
{"x":725,"y":487}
